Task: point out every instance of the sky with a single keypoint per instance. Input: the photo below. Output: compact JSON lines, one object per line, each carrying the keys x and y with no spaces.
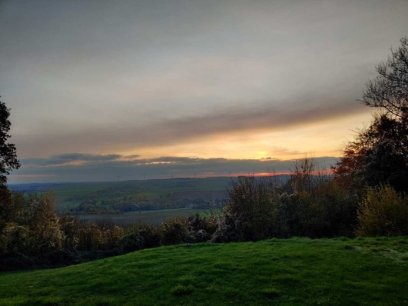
{"x":106,"y":90}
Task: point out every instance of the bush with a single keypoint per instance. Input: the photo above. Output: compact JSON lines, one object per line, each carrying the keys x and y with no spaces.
{"x":43,"y":224}
{"x":326,"y":210}
{"x":249,"y":211}
{"x":14,"y":239}
{"x":383,"y":212}
{"x":175,"y":231}
{"x":70,"y":227}
{"x":151,"y":235}
{"x":332,"y":211}
{"x":201,"y":229}
{"x":90,"y":237}
{"x":317,"y":207}
{"x":140,"y":237}
{"x":32,"y":235}
{"x":291,"y":214}
{"x":132,"y":241}
{"x":14,"y":247}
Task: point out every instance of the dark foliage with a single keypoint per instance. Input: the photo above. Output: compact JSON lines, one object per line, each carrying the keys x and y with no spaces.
{"x":8,"y":162}
{"x":258,"y":210}
{"x":8,"y":156}
{"x":34,"y":236}
{"x":390,"y":88}
{"x":383,"y":212}
{"x":379,"y":155}
{"x":201,"y":229}
{"x":141,"y":237}
{"x":249,"y":211}
{"x":175,"y":231}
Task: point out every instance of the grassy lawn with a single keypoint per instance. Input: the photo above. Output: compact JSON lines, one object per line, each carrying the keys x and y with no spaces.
{"x":296,"y":271}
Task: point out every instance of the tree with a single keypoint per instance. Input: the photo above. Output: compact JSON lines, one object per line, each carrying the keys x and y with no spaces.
{"x":389,"y":90}
{"x":8,"y":161}
{"x":8,"y":156}
{"x":383,"y":212}
{"x":44,"y":226}
{"x":301,"y":179}
{"x":379,"y":155}
{"x":248,"y":214}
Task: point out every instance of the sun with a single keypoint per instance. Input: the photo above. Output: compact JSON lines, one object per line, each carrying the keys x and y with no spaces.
{"x":262,"y":154}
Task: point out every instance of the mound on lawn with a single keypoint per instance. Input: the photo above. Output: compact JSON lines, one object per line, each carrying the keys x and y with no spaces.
{"x":342,"y":271}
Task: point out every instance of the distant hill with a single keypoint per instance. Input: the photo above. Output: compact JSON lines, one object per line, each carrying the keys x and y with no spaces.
{"x":137,"y":195}
{"x":370,"y":271}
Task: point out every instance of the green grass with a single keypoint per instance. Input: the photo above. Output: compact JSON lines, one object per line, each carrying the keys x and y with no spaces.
{"x":372,"y":271}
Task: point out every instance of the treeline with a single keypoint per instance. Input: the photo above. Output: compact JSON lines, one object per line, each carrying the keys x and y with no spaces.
{"x":121,"y":197}
{"x":32,"y":235}
{"x":367,"y":195}
{"x":312,"y":207}
{"x":95,"y":206}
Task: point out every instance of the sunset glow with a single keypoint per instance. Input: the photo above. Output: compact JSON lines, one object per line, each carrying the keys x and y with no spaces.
{"x":324,"y":138}
{"x":154,"y":89}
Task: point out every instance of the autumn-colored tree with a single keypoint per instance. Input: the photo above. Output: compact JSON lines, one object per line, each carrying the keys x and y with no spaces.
{"x":383,"y":212}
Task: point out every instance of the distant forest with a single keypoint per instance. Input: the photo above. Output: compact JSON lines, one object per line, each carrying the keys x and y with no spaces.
{"x":130,"y":196}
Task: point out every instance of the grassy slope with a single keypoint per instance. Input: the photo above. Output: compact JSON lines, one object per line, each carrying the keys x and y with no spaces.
{"x":289,"y":272}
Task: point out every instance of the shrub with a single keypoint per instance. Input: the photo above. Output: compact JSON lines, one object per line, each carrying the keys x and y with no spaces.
{"x":140,"y":237}
{"x":316,"y":207}
{"x":111,"y":237}
{"x":383,"y":212}
{"x":333,"y":211}
{"x":201,"y":228}
{"x":326,"y":210}
{"x":132,"y":241}
{"x":90,"y":237}
{"x":151,"y":235}
{"x":70,"y":227}
{"x":14,"y":247}
{"x":175,"y":231}
{"x":14,"y":239}
{"x":45,"y":232}
{"x":291,"y":212}
{"x":249,"y":211}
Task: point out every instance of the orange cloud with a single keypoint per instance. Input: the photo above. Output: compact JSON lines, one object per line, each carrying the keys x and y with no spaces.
{"x":324,"y":138}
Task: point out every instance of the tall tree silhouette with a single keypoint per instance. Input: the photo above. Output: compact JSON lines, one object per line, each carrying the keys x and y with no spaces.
{"x":379,"y":155}
{"x":389,"y":90}
{"x":8,"y":155}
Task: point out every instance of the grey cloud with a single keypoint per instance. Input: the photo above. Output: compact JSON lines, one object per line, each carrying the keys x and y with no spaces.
{"x":102,"y":168}
{"x":66,"y":159}
{"x":107,"y":75}
{"x":173,"y":131}
{"x":84,"y":157}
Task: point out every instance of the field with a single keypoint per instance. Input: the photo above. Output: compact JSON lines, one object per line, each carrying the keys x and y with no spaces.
{"x":122,"y":196}
{"x":145,"y":217}
{"x":139,"y":201}
{"x":298,"y":271}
